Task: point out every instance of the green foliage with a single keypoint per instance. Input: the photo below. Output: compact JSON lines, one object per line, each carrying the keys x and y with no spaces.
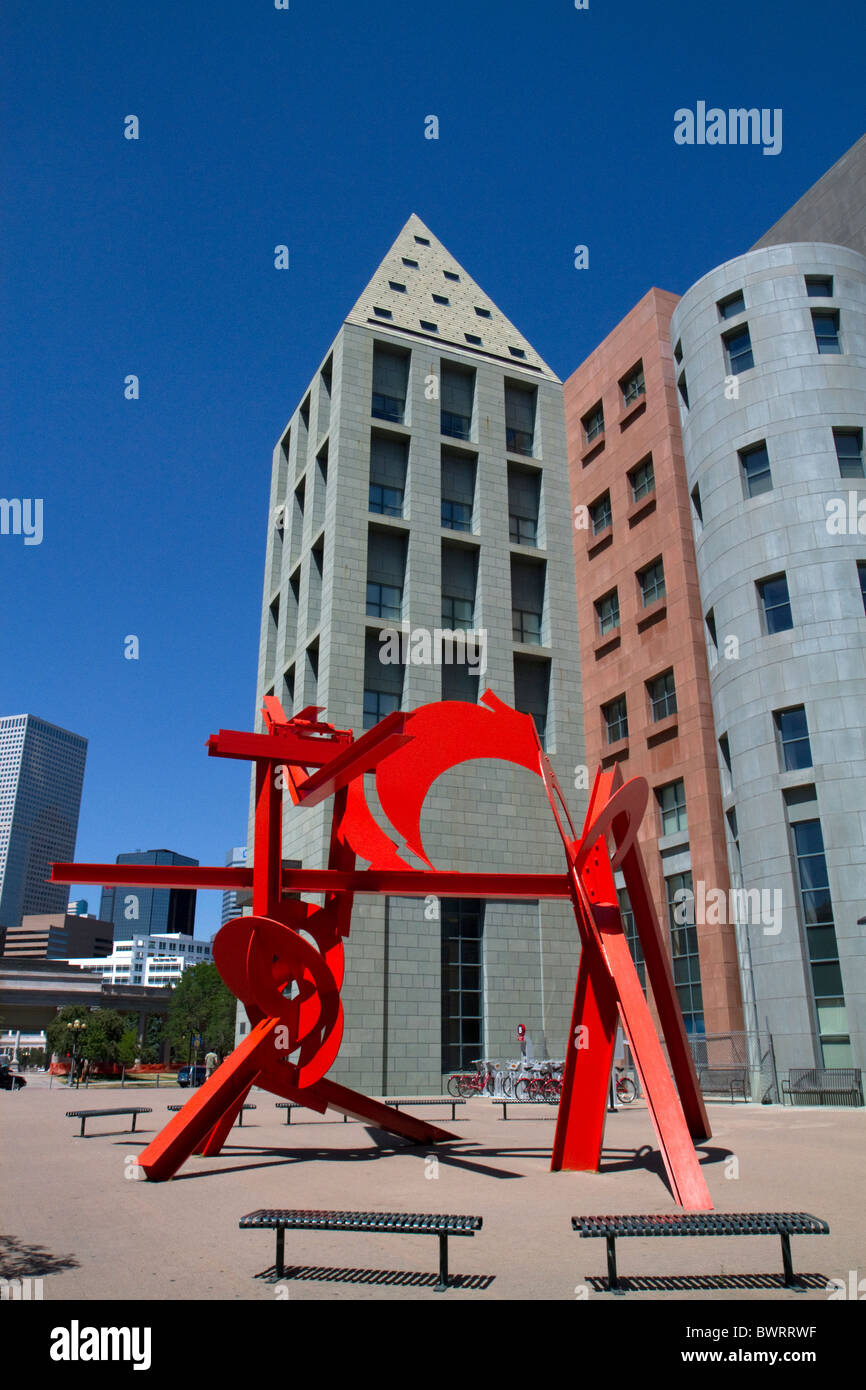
{"x":201,"y":1004}
{"x":127,"y":1048}
{"x":98,"y":1041}
{"x":154,"y":1032}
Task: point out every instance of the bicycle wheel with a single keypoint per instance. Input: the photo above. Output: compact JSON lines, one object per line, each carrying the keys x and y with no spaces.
{"x":552,"y":1092}
{"x":625,"y":1090}
{"x":468,"y":1086}
{"x":454,"y":1085}
{"x":522,"y":1088}
{"x":507,"y":1086}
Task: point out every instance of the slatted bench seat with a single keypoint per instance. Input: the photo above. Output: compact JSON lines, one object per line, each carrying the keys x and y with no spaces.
{"x":713,"y":1080}
{"x":240,"y":1117}
{"x":506,"y":1103}
{"x":750,"y":1223}
{"x":290,"y":1105}
{"x":824,"y":1086}
{"x":84,"y":1115}
{"x":382,"y":1222}
{"x":397,"y":1101}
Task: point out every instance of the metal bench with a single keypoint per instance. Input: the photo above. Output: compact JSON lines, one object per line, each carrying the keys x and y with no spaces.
{"x":423,"y":1100}
{"x":290,"y":1105}
{"x":506,"y":1103}
{"x":382,"y":1222}
{"x":824,"y":1085}
{"x":712,"y":1080}
{"x":240,"y":1117}
{"x":750,"y":1223}
{"x":84,"y":1115}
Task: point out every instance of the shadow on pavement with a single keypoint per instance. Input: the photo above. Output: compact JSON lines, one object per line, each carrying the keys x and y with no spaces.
{"x":414,"y":1278}
{"x":20,"y":1261}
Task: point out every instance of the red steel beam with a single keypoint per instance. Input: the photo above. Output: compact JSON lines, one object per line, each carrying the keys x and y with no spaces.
{"x":403,"y":883}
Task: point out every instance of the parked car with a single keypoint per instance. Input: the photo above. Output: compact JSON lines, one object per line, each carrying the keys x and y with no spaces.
{"x":10,"y":1080}
{"x":196,"y":1078}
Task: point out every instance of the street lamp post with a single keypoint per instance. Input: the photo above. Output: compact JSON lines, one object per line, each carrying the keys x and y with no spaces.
{"x":76,"y":1028}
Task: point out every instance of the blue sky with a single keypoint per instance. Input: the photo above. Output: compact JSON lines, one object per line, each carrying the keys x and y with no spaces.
{"x":258,"y":127}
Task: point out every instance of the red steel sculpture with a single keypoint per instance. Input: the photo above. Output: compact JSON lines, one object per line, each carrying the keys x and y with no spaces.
{"x":291,"y":988}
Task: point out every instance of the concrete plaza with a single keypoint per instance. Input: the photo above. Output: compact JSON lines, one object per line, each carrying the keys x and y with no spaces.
{"x":75,"y":1215}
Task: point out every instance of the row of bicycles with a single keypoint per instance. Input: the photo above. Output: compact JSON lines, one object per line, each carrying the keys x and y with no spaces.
{"x":538,"y":1081}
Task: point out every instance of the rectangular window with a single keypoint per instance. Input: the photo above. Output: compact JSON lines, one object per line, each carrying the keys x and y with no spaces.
{"x":861,"y":575}
{"x":632,"y":385}
{"x":458,"y":490}
{"x":524,"y":494}
{"x":642,"y":479}
{"x":519,"y":418}
{"x":388,"y":459}
{"x":615,"y":718}
{"x":662,"y":695}
{"x":755,"y":463}
{"x":607,"y":612}
{"x":457,"y":613}
{"x":384,"y":600}
{"x":819,"y":286}
{"x":526,"y":626}
{"x":684,"y":951}
{"x":593,"y":423}
{"x":527,"y":600}
{"x":600,"y":514}
{"x":459,"y":580}
{"x":386,"y":501}
{"x":849,"y":452}
{"x":793,"y":735}
{"x":531,"y":689}
{"x":776,"y":603}
{"x":383,"y":683}
{"x":631,"y":936}
{"x":378,"y":703}
{"x":732,"y":305}
{"x":672,"y":807}
{"x":826,"y":325}
{"x":390,"y":375}
{"x":458,"y":392}
{"x":738,"y":350}
{"x":386,"y":568}
{"x":817,"y":911}
{"x":652,"y":582}
{"x":456,"y":516}
{"x":462,"y":983}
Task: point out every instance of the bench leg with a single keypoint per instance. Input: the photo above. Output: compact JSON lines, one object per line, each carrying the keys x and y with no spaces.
{"x":134,"y":1118}
{"x":443,"y":1264}
{"x":280,"y":1257}
{"x":791,"y":1280}
{"x":453,"y":1109}
{"x":288,"y":1117}
{"x":241,"y":1118}
{"x":612,"y":1280}
{"x":81,"y":1131}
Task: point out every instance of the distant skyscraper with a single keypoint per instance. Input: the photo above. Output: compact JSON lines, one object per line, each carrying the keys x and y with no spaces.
{"x":150,"y":911}
{"x":235,"y":859}
{"x":41,"y":774}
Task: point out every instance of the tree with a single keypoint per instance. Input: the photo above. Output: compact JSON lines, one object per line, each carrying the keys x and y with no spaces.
{"x":98,"y":1041}
{"x":201,"y":1005}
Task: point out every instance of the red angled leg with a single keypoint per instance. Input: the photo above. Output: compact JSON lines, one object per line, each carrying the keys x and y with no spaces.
{"x":582,"y":1111}
{"x":213,"y":1142}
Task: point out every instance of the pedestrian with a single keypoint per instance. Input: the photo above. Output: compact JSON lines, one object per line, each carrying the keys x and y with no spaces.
{"x":211,"y":1062}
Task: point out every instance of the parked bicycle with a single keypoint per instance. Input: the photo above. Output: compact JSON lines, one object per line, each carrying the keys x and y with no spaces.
{"x":625,"y":1089}
{"x":481,"y":1082}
